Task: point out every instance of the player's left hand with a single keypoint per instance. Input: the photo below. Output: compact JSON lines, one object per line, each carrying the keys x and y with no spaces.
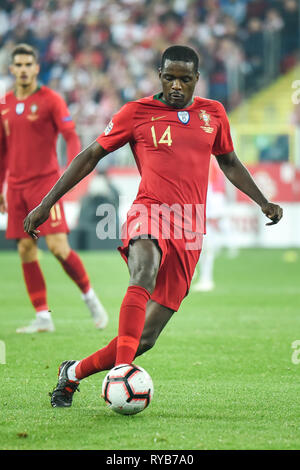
{"x":35,"y":218}
{"x":273,"y":212}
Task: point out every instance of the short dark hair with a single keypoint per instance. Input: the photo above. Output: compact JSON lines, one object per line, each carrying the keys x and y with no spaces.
{"x":180,"y":53}
{"x":24,"y":49}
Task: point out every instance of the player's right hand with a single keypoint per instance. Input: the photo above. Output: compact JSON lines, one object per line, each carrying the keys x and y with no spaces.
{"x":35,"y":218}
{"x":3,"y":208}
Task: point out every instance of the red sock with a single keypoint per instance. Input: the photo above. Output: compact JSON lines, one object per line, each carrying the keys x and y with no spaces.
{"x":75,"y":269}
{"x":35,"y":284}
{"x":104,"y":359}
{"x":131,"y":323}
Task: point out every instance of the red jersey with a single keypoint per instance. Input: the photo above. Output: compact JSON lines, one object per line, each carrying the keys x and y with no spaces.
{"x":171,"y":147}
{"x":216,"y":177}
{"x":28,"y":135}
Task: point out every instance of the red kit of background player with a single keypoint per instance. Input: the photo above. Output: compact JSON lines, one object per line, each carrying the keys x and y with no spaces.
{"x":25,"y":126}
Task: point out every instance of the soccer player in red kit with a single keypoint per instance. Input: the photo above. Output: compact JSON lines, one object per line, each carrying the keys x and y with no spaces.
{"x":30,"y":119}
{"x":172,"y":136}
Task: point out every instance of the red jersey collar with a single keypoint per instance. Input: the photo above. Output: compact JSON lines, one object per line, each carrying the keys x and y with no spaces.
{"x":158,"y":97}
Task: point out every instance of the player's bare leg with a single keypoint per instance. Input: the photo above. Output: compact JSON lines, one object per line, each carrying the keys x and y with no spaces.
{"x":157,"y":316}
{"x":59,"y":246}
{"x":36,"y":287}
{"x":27,"y":249}
{"x":143,"y":263}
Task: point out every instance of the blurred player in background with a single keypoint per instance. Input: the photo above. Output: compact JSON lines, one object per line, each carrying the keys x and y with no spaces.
{"x":217,"y":234}
{"x":30,"y":120}
{"x":172,"y":135}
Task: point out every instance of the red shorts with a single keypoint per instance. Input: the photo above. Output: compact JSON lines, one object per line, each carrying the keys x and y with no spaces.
{"x":180,"y":255}
{"x":21,"y":201}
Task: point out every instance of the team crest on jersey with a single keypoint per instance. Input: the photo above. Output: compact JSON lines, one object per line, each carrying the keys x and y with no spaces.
{"x":205,"y":117}
{"x":108,"y":128}
{"x":183,"y":116}
{"x":20,"y":108}
{"x":34,"y":108}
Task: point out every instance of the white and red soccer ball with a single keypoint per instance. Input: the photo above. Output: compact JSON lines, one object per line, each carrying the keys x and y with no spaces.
{"x":127,"y":389}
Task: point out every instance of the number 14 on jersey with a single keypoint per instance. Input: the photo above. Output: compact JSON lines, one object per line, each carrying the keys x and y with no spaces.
{"x":165,"y":138}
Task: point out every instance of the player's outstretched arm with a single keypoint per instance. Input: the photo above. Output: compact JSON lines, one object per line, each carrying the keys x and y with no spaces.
{"x":2,"y":204}
{"x":238,"y":174}
{"x":80,"y":167}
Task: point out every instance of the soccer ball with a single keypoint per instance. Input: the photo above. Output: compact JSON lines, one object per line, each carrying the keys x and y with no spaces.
{"x":127,"y":389}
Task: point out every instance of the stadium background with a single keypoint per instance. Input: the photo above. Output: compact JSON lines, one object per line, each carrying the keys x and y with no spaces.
{"x":99,"y":54}
{"x":226,"y":368}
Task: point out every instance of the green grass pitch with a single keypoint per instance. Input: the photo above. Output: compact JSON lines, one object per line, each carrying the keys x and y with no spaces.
{"x":222,"y":369}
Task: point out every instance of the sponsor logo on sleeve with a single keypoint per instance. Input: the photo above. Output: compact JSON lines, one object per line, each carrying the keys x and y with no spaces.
{"x":108,"y":128}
